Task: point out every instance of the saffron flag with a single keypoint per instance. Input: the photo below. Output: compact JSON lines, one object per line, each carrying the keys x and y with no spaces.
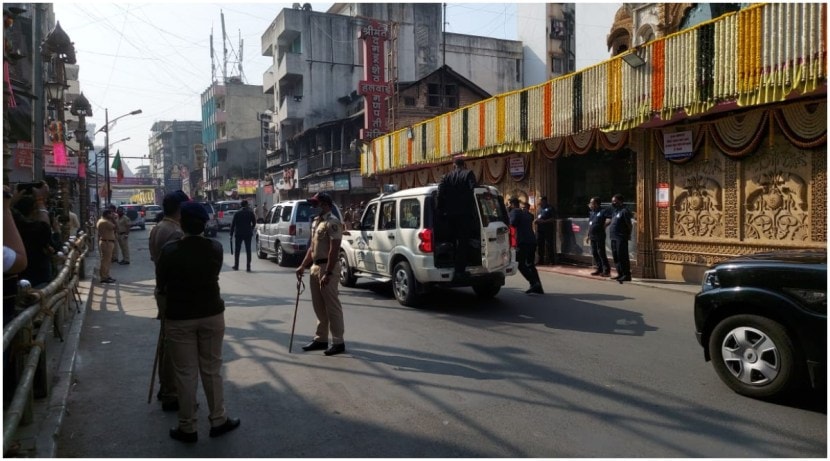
{"x":116,"y":165}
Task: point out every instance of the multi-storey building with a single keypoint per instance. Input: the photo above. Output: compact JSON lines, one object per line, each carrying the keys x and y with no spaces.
{"x":171,"y":146}
{"x":231,"y":135}
{"x":325,"y":69}
{"x":548,"y":33}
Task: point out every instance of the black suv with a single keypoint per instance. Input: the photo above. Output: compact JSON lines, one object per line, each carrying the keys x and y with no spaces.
{"x":762,"y":320}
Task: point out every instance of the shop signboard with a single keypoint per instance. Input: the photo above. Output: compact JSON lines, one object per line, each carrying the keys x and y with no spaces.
{"x":69,"y":168}
{"x":677,"y":146}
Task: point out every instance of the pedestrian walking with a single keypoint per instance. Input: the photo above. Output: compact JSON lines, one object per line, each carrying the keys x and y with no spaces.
{"x":457,"y":207}
{"x":546,"y":232}
{"x":166,"y":231}
{"x":242,"y":227}
{"x":106,"y":243}
{"x":522,"y":222}
{"x":123,"y":225}
{"x":598,"y":220}
{"x":187,"y":276}
{"x":620,"y":230}
{"x":323,"y":261}
{"x":114,"y":217}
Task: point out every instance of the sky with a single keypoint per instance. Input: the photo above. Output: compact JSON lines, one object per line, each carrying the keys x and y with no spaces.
{"x":156,"y":56}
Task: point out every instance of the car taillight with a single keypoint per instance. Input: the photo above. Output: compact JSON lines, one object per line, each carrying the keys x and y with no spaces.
{"x":221,"y":214}
{"x":292,"y":229}
{"x":141,"y":213}
{"x":426,"y":241}
{"x":513,"y":243}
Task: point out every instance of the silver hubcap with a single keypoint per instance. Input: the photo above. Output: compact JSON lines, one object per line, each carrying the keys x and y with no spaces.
{"x":751,"y":356}
{"x":401,"y":284}
{"x":279,"y":253}
{"x":344,"y":269}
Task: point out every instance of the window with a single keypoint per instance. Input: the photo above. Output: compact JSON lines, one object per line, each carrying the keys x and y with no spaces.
{"x":297,"y":45}
{"x":433,"y":95}
{"x":410,"y":214}
{"x":408,"y":101}
{"x":556,"y":65}
{"x":368,"y":221}
{"x":387,"y":216}
{"x":450,"y":95}
{"x":557,"y":28}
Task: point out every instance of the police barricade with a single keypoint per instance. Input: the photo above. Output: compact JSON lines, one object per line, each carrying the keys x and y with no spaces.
{"x":40,"y":312}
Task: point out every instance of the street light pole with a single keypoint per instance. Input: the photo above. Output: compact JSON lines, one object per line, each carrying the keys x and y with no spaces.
{"x":106,"y":129}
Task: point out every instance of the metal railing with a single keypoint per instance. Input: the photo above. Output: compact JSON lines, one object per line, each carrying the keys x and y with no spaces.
{"x":43,"y":311}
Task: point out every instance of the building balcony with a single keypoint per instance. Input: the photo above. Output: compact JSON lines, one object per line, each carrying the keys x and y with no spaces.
{"x":291,"y":110}
{"x":333,"y":160}
{"x":269,"y":81}
{"x":290,"y":68}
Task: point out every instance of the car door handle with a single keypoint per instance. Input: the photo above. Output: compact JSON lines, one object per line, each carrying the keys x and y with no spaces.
{"x":368,"y":237}
{"x":492,"y":239}
{"x":391,"y":236}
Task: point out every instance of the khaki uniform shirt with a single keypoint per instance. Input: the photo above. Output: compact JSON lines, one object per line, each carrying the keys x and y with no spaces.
{"x":123,"y":223}
{"x":165,"y":231}
{"x":326,"y":228}
{"x":106,"y":229}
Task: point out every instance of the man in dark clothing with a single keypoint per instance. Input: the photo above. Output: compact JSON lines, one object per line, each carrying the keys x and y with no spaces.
{"x":457,"y":206}
{"x":620,"y":231}
{"x":598,"y":219}
{"x":242,"y":226}
{"x":187,"y":275}
{"x":546,"y":232}
{"x":522,"y":222}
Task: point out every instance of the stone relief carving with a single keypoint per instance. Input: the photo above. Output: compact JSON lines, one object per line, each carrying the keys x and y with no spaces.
{"x":698,"y":199}
{"x":776,"y":194}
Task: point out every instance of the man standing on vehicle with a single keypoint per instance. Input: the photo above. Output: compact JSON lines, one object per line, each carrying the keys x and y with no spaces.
{"x":522,"y":222}
{"x":323,"y":259}
{"x":457,"y":205}
{"x":123,"y":225}
{"x":620,"y":231}
{"x":242,"y":226}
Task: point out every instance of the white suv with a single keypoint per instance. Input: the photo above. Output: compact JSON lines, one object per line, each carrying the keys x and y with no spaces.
{"x":396,"y":241}
{"x":286,"y":231}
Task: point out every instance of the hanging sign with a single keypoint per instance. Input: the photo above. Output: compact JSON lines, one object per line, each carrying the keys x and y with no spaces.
{"x":516,"y":167}
{"x":677,"y":146}
{"x":662,"y":195}
{"x":69,"y":168}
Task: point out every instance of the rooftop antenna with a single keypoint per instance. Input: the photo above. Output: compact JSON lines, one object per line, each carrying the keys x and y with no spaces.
{"x":241,"y":72}
{"x":224,"y":49}
{"x":212,"y":59}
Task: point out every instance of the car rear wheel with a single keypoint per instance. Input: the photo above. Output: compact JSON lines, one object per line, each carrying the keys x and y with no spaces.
{"x":486,"y":290}
{"x":282,"y":258}
{"x":404,"y":284}
{"x":259,"y":253}
{"x":347,"y":278}
{"x":755,"y":357}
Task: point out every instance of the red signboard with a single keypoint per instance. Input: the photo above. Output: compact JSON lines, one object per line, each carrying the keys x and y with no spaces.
{"x":374,"y":87}
{"x":23,"y":155}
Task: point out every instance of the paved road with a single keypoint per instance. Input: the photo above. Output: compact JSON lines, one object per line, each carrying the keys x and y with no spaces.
{"x":592,"y":369}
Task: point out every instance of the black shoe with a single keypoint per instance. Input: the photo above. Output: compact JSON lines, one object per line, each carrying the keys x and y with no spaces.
{"x":596,"y":272}
{"x":625,"y":278}
{"x":108,"y":280}
{"x":172,"y":405}
{"x":236,"y":268}
{"x":316,"y":346}
{"x":229,"y":425}
{"x":537,"y":289}
{"x":123,"y":263}
{"x":336,"y":349}
{"x":606,"y":274}
{"x":186,"y":437}
{"x":248,"y":269}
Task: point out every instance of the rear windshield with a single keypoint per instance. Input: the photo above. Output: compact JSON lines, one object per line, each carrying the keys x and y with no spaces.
{"x":491,"y":207}
{"x":305,"y":213}
{"x":230,"y":206}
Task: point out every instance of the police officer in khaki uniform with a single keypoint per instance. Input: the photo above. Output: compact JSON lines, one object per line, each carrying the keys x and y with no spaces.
{"x":322,"y":258}
{"x":123,"y":224}
{"x":106,"y":243}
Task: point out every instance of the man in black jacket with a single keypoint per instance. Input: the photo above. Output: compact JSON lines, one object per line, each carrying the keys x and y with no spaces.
{"x":457,"y":205}
{"x":242,"y":226}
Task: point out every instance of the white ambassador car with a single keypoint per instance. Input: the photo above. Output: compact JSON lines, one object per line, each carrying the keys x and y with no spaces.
{"x":399,"y":240}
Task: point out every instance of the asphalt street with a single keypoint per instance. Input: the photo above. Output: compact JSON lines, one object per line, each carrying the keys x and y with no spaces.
{"x":590,"y":369}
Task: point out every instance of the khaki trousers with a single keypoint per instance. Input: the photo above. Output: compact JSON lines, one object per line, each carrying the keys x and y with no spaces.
{"x":106,"y":247}
{"x":124,"y":244}
{"x":196,"y":350}
{"x":327,"y":306}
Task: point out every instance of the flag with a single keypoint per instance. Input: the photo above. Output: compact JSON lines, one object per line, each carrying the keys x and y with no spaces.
{"x":116,"y":165}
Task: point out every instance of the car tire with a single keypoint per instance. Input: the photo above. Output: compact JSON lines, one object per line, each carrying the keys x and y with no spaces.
{"x":259,"y":253}
{"x":486,"y":290}
{"x":282,"y":258}
{"x":347,"y":277}
{"x":404,"y":285}
{"x":755,"y":357}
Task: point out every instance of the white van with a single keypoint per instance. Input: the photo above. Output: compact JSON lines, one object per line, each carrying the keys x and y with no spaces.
{"x":397,"y":241}
{"x":225,"y":210}
{"x":286,"y":230}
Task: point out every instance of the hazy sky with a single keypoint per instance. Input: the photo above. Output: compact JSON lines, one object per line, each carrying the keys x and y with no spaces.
{"x":156,"y":56}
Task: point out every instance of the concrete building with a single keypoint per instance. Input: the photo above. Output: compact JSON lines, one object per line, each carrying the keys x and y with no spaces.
{"x":548,"y":34}
{"x":171,"y":153}
{"x":327,"y":52}
{"x":231,"y":136}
